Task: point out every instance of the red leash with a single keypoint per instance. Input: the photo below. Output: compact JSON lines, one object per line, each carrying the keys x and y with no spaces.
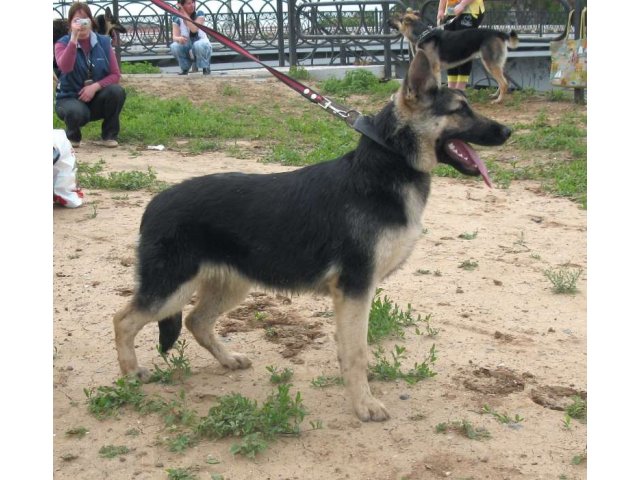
{"x":347,"y":114}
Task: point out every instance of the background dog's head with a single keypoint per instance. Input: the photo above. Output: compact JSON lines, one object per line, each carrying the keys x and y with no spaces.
{"x":107,"y":25}
{"x":443,"y":123}
{"x":409,"y":24}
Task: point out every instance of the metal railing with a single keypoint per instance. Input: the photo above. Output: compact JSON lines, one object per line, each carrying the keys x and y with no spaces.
{"x":326,"y":31}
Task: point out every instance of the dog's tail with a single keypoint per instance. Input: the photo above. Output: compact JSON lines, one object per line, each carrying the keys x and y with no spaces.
{"x":169,"y":331}
{"x":513,"y":40}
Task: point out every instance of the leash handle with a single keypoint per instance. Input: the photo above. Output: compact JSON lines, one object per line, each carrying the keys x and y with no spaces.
{"x":347,"y":114}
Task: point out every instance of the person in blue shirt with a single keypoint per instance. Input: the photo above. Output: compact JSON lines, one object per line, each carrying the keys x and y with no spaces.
{"x":189,"y":38}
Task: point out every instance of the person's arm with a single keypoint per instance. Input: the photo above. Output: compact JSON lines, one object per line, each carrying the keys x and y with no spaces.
{"x":461,"y":6}
{"x":66,"y":55}
{"x":199,"y":19}
{"x":177,"y":36}
{"x":441,"y":7}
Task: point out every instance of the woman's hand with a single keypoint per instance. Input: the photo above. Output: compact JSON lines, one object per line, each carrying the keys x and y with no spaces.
{"x":87,"y":92}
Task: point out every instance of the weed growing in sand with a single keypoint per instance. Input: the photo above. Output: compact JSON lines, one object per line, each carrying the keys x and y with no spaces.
{"x":180,"y":474}
{"x":428,"y":331}
{"x":465,"y":428}
{"x":468,"y":265}
{"x":578,"y":459}
{"x":77,"y":432}
{"x":112,"y":451}
{"x":387,"y":320}
{"x":563,"y":280}
{"x":139,"y":67}
{"x":107,"y":400}
{"x":360,"y":82}
{"x":501,"y":417}
{"x":324,"y":381}
{"x":278,"y":376}
{"x":239,"y":416}
{"x":468,"y":236}
{"x":578,"y":409}
{"x":299,"y":73}
{"x":176,"y":366}
{"x":387,"y":370}
{"x":92,"y":176}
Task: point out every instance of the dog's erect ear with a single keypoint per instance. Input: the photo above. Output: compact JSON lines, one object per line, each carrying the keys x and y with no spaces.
{"x":420,"y":79}
{"x":107,"y":14}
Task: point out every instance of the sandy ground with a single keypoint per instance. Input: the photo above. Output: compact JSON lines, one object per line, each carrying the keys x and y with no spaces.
{"x":505,"y":340}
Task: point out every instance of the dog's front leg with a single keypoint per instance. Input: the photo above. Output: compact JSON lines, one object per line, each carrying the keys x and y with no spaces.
{"x":352,"y":315}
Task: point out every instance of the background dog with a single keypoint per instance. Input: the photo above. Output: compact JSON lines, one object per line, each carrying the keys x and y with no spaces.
{"x":107,"y":25}
{"x":448,"y":49}
{"x":336,"y":228}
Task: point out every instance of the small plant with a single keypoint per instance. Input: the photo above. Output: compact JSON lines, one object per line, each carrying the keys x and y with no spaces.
{"x":429,"y":331}
{"x":501,"y":417}
{"x":278,"y":376}
{"x":563,"y":280}
{"x":106,"y":401}
{"x":112,"y":451}
{"x":566,"y":421}
{"x":386,"y":370}
{"x":465,"y":428}
{"x":90,"y":176}
{"x":299,"y":73}
{"x":578,"y":459}
{"x":578,"y":409}
{"x":468,"y":236}
{"x":177,"y":366}
{"x":317,"y":425}
{"x":387,"y":320}
{"x":138,"y":67}
{"x":323,"y":381}
{"x":468,"y":265}
{"x":180,"y":474}
{"x":230,"y":91}
{"x":77,"y":432}
{"x":251,"y":445}
{"x":260,"y":316}
{"x":181,"y":442}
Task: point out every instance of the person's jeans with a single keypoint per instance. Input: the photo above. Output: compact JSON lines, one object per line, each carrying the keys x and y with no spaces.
{"x":106,"y":104}
{"x":201,"y":52}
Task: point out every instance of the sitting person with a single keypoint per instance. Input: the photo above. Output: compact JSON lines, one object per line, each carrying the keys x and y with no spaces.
{"x":88,"y":86}
{"x":189,"y":38}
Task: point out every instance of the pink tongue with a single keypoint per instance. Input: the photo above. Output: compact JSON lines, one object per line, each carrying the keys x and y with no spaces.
{"x":468,"y":154}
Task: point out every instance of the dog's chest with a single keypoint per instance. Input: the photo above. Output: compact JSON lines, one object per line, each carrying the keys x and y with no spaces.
{"x":394,"y":245}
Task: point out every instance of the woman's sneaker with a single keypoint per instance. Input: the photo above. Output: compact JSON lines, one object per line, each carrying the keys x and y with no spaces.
{"x":111,"y":143}
{"x":206,"y":71}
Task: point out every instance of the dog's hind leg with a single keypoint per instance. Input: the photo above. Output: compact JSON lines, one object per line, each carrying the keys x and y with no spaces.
{"x":352,"y":314}
{"x":217,"y":295}
{"x":494,"y":63}
{"x":127,"y":323}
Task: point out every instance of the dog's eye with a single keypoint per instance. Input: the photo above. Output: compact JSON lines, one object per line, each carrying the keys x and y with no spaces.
{"x":462,"y":108}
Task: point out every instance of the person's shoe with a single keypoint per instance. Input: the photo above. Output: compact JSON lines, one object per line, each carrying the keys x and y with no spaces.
{"x":111,"y":143}
{"x":206,"y":71}
{"x":75,"y":143}
{"x":184,"y":72}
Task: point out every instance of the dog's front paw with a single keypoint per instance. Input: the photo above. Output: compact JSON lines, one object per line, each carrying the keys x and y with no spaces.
{"x":141,"y":374}
{"x":235,"y":361}
{"x":369,"y":408}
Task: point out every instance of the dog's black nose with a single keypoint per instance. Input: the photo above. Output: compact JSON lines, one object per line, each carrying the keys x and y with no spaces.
{"x":506,"y":132}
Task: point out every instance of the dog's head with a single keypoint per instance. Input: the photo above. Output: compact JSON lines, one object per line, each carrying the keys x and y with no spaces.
{"x":409,"y":24}
{"x":107,"y":25}
{"x":440,"y":123}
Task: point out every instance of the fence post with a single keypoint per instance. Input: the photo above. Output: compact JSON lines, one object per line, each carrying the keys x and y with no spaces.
{"x":293,"y":58}
{"x":280,"y":21}
{"x":118,"y":49}
{"x":386,"y":41}
{"x":578,"y":93}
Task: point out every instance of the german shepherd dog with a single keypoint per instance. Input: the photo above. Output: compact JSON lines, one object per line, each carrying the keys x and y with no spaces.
{"x":448,"y":49}
{"x":335,"y":228}
{"x":107,"y":25}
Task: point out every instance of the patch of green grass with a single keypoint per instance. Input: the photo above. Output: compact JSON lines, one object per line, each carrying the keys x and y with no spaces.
{"x":323,"y":381}
{"x":360,"y":81}
{"x":138,"y":67}
{"x":77,"y":432}
{"x":578,"y":409}
{"x":106,"y":401}
{"x":279,"y":376}
{"x":386,"y":319}
{"x":176,"y":366}
{"x":181,"y":442}
{"x":468,"y":236}
{"x":180,"y":474}
{"x":386,"y":370}
{"x":239,"y":416}
{"x":112,"y":451}
{"x":465,"y":428}
{"x":468,"y":265}
{"x":299,"y":73}
{"x":501,"y":417}
{"x":92,"y":176}
{"x":564,"y":280}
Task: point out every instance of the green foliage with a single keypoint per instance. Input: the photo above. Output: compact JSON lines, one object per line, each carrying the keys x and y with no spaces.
{"x":578,"y":409}
{"x":501,"y":417}
{"x":107,"y":401}
{"x":92,"y":176}
{"x":465,"y":428}
{"x":385,"y":370}
{"x":299,"y":73}
{"x":278,"y":376}
{"x":138,"y":67}
{"x":468,"y":265}
{"x":324,"y":381}
{"x":387,"y":320}
{"x":112,"y":451}
{"x":77,"y":432}
{"x":176,"y":366}
{"x":564,"y":280}
{"x":359,"y":81}
{"x":180,"y":474}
